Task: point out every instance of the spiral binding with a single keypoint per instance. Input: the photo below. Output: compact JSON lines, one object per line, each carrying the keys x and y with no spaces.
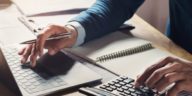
{"x":125,"y":52}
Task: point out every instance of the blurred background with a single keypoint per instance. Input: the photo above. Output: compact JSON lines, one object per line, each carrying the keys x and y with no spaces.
{"x":154,"y":12}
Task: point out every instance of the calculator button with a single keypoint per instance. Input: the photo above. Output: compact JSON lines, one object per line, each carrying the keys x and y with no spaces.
{"x":124,"y":77}
{"x":102,"y":87}
{"x":109,"y":89}
{"x":113,"y":87}
{"x":122,"y":94}
{"x":128,"y":81}
{"x":138,"y":92}
{"x":125,"y":88}
{"x":131,"y":90}
{"x":120,"y":89}
{"x":127,"y":92}
{"x":120,"y":79}
{"x":133,"y":94}
{"x":129,"y":85}
{"x":107,"y":85}
{"x":111,"y":83}
{"x":117,"y":85}
{"x":115,"y":81}
{"x":122,"y":83}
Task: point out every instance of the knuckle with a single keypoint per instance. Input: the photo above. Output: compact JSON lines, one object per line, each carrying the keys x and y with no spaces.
{"x":169,"y":58}
{"x":25,"y":55}
{"x":51,"y":26}
{"x":40,"y":35}
{"x":147,"y":71}
{"x":168,"y":79}
{"x":178,"y":87}
{"x":149,"y":68}
{"x":178,"y":65}
{"x":56,"y":49}
{"x":31,"y":58}
{"x":157,"y":73}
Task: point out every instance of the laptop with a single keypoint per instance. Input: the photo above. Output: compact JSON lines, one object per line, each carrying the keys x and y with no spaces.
{"x":52,"y":73}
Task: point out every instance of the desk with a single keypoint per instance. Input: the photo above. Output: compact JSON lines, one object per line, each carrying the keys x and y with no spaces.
{"x":145,"y":31}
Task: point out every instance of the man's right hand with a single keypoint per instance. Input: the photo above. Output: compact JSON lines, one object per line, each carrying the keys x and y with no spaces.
{"x":32,"y":51}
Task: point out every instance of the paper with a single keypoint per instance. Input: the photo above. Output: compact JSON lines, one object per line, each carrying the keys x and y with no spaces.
{"x":131,"y":65}
{"x":9,"y":25}
{"x":32,"y":7}
{"x":43,"y":21}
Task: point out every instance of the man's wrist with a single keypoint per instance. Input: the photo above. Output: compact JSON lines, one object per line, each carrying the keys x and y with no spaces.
{"x":80,"y":32}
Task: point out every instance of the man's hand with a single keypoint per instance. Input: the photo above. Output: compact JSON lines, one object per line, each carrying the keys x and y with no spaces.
{"x":33,"y":50}
{"x":168,"y":71}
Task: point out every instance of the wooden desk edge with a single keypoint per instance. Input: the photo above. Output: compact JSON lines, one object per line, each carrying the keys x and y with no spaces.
{"x":148,"y":32}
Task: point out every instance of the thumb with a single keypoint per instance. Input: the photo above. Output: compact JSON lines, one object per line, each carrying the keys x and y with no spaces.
{"x":138,"y":76}
{"x":137,"y":84}
{"x":52,"y":51}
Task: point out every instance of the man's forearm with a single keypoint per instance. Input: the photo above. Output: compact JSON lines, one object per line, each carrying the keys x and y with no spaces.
{"x":106,"y":16}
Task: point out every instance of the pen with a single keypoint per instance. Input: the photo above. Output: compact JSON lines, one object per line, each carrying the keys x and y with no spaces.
{"x":54,"y":37}
{"x":29,"y":23}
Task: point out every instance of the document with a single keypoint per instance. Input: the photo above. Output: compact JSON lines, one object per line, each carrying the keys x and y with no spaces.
{"x":34,"y":7}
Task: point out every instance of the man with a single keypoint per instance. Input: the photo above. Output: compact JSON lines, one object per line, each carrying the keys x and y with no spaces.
{"x":106,"y":16}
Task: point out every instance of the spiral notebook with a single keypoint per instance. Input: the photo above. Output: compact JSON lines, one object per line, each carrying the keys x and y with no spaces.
{"x":121,"y":53}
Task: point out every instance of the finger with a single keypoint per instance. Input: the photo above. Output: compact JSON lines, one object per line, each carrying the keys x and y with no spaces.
{"x":178,"y":87}
{"x":21,"y":51}
{"x":140,"y":81}
{"x":54,"y":47}
{"x":41,"y":42}
{"x":182,"y":61}
{"x":33,"y":56}
{"x":26,"y":54}
{"x":187,"y":65}
{"x":158,"y":74}
{"x":138,"y":76}
{"x":168,"y":80}
{"x":41,"y":39}
{"x":53,"y":51}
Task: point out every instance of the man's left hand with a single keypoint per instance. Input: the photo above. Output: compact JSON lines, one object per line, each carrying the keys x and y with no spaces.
{"x":166,"y":72}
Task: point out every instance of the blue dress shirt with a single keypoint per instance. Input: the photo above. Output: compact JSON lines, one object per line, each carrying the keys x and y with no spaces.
{"x":105,"y":16}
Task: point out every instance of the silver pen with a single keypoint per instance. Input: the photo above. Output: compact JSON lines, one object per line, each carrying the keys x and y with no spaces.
{"x":54,"y":37}
{"x":29,"y":23}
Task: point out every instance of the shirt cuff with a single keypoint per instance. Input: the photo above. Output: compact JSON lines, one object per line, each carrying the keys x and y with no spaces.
{"x":81,"y":33}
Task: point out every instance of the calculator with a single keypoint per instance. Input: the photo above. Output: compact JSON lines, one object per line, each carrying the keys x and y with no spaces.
{"x":121,"y":86}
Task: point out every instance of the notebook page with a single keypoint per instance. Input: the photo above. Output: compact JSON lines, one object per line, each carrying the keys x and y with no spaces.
{"x":130,"y":65}
{"x":135,"y":64}
{"x":114,"y":42}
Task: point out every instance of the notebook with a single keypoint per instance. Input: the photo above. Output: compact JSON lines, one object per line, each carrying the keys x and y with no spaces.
{"x":121,"y":53}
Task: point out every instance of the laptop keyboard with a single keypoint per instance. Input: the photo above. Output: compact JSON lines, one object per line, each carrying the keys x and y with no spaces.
{"x":30,"y":80}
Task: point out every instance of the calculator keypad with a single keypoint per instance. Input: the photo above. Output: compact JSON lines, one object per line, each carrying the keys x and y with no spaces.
{"x":123,"y":86}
